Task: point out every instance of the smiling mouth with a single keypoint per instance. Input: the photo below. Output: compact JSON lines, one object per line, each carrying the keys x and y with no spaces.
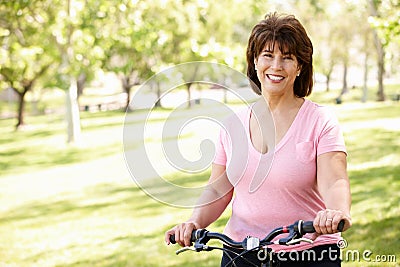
{"x":275,"y":77}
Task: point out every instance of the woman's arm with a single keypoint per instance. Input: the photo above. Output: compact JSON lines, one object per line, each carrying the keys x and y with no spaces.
{"x":334,"y":187}
{"x":211,"y":205}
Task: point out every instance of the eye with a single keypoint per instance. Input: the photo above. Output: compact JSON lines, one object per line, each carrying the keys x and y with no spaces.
{"x":267,"y":54}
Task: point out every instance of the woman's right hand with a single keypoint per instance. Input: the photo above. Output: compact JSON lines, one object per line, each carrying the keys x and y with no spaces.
{"x":182,"y":232}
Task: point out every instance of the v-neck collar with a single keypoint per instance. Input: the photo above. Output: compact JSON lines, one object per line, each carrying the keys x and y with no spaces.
{"x":296,"y":120}
{"x":287,"y":135}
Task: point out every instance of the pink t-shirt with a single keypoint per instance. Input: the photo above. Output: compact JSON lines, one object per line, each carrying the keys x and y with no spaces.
{"x":279,"y":187}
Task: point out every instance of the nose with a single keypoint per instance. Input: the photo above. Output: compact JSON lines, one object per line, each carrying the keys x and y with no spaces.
{"x":276,"y":63}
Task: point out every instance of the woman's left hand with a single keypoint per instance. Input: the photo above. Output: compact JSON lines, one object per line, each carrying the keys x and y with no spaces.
{"x":327,"y":221}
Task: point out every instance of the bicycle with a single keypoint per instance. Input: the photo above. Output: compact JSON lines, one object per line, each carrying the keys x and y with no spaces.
{"x":295,"y":232}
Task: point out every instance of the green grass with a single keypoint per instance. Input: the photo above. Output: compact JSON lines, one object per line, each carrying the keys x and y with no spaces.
{"x":42,"y":143}
{"x":354,"y":95}
{"x":372,"y":135}
{"x":78,"y":206}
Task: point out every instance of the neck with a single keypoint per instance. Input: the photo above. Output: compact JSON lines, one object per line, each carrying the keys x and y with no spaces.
{"x":282,"y":103}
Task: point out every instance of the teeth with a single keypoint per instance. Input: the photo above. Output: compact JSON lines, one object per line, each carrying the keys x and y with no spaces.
{"x":275,"y":78}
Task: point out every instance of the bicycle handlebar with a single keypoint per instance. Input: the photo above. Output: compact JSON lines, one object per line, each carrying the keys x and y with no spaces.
{"x":295,"y":231}
{"x":197,"y":234}
{"x":308,"y":227}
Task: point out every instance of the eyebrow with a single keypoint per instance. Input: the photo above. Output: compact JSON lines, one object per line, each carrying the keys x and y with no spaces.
{"x":284,"y":53}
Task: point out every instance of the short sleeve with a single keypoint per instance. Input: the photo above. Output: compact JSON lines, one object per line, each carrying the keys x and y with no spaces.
{"x":331,"y":137}
{"x":220,"y":152}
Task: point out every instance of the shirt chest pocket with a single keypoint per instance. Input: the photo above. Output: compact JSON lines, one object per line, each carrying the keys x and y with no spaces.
{"x":305,"y":152}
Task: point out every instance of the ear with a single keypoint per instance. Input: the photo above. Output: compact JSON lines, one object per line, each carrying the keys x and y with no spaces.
{"x":299,"y":68}
{"x":255,"y":65}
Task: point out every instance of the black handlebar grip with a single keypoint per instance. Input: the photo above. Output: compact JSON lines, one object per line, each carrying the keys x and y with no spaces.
{"x":341,"y":225}
{"x":308,"y":227}
{"x":172,"y":239}
{"x":192,"y":239}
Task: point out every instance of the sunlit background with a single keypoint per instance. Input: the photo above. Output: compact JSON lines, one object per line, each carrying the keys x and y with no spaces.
{"x":69,"y":68}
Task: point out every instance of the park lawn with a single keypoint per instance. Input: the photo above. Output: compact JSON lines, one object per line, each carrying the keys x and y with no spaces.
{"x":372,"y":135}
{"x":78,"y":206}
{"x":42,"y":142}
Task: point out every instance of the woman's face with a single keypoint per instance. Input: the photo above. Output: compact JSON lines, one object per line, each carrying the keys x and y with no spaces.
{"x":276,"y":71}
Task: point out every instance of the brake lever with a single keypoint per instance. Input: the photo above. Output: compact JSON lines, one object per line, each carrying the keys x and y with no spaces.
{"x":299,"y":240}
{"x":196,"y":248}
{"x":184,"y":249}
{"x":293,"y":241}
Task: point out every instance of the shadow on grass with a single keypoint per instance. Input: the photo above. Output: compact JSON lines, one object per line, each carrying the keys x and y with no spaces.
{"x":103,"y":196}
{"x":36,"y":157}
{"x":126,"y":253}
{"x":11,"y":136}
{"x":105,"y":201}
{"x":377,"y":233}
{"x":148,"y":251}
{"x":98,"y":197}
{"x":380,"y":183}
{"x":375,"y":112}
{"x":375,"y":210}
{"x":378,"y":236}
{"x":50,"y":210}
{"x":169,"y":190}
{"x":367,"y":145}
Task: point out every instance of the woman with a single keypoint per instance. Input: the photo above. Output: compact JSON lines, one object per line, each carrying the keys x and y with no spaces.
{"x":307,"y":178}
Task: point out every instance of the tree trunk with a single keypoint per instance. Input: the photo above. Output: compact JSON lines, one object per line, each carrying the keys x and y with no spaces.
{"x":365,"y":87}
{"x":127,"y":85}
{"x":328,"y":80}
{"x":127,"y":89}
{"x":225,"y":92}
{"x":189,"y":94}
{"x":189,"y":85}
{"x":80,"y":84}
{"x":329,"y":75}
{"x":21,"y":108}
{"x":381,"y":71}
{"x":381,"y":66}
{"x":72,"y":116}
{"x":21,"y":103}
{"x":27,"y":85}
{"x":381,"y":54}
{"x":158,"y":90}
{"x":345,"y":88}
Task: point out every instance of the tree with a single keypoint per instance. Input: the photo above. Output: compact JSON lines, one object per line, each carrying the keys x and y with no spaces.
{"x":87,"y":42}
{"x":129,"y":39}
{"x":384,"y":20}
{"x":320,"y":21}
{"x":75,"y":34}
{"x":365,"y":44}
{"x":63,"y":33}
{"x":196,"y":31}
{"x":142,"y":38}
{"x":326,"y":54}
{"x":26,"y":53}
{"x":379,"y":45}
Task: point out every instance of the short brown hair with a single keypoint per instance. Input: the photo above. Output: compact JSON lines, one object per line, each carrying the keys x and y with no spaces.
{"x":291,"y":37}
